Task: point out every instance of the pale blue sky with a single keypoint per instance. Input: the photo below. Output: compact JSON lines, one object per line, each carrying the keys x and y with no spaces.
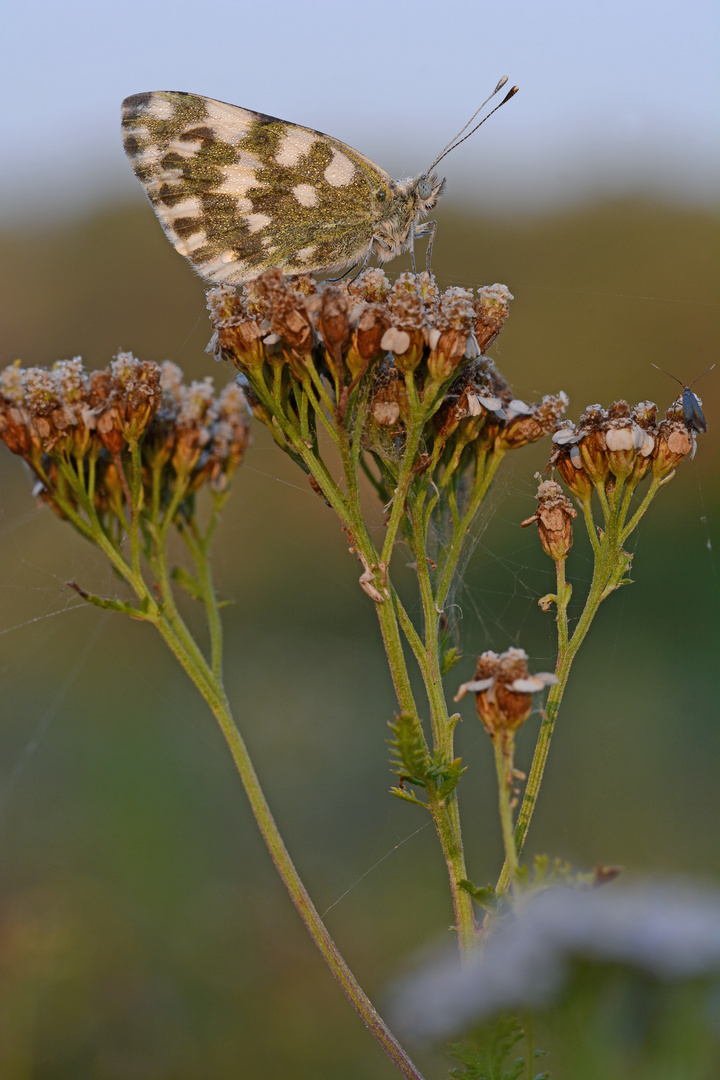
{"x":614,"y":95}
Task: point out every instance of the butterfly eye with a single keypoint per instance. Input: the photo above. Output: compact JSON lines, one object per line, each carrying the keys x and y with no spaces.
{"x":424,"y":188}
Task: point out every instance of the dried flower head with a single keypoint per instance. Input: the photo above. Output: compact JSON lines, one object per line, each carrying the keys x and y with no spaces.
{"x":554,"y":519}
{"x":503,"y":689}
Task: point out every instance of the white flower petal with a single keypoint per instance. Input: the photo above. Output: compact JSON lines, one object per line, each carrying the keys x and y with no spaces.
{"x":473,"y":687}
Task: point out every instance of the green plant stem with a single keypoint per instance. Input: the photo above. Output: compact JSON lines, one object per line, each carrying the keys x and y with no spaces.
{"x":503,"y":745}
{"x":652,"y":491}
{"x":396,"y":656}
{"x":447,"y":828}
{"x":214,"y":695}
{"x":199,"y":547}
{"x":390,"y":611}
{"x":606,"y":561}
{"x":445,"y":812}
{"x":136,"y":505}
{"x":208,"y":681}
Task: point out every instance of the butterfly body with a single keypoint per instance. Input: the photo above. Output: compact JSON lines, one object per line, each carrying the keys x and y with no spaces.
{"x":238,"y":192}
{"x":693,"y":416}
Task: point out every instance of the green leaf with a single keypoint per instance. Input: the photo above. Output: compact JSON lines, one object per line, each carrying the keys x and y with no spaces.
{"x":449,"y":659}
{"x":124,"y":607}
{"x":449,"y":776}
{"x":412,"y":759}
{"x":408,"y":796}
{"x":485,"y":1057}
{"x":186,"y":581}
{"x":486,"y":897}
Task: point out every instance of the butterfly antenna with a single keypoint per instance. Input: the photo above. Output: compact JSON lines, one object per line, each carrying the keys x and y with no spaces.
{"x":448,"y":145}
{"x":701,"y":376}
{"x":681,"y":383}
{"x":456,"y":140}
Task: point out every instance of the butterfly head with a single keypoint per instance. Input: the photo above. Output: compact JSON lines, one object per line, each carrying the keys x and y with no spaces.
{"x":429,"y":189}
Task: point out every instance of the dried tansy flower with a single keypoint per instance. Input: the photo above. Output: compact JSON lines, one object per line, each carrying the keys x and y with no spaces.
{"x":503,"y":689}
{"x":185,"y":435}
{"x":554,"y":519}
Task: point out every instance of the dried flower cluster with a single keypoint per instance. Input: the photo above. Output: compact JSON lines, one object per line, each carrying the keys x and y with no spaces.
{"x":386,"y":354}
{"x":90,"y":421}
{"x":503,"y":689}
{"x":620,"y":445}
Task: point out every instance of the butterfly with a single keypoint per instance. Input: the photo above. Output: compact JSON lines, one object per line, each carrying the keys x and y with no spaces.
{"x":238,"y":192}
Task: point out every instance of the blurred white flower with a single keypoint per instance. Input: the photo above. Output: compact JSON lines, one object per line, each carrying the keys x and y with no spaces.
{"x":669,"y":930}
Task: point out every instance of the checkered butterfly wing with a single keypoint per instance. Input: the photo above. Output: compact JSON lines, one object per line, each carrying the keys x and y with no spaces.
{"x":238,"y":192}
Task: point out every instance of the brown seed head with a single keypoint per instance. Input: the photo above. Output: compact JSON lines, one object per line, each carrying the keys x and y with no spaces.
{"x":287,"y":313}
{"x":451,"y":333}
{"x":528,"y":423}
{"x":237,"y":332}
{"x":372,"y":285}
{"x":673,"y":444}
{"x":369,"y":331}
{"x":388,"y":396}
{"x":567,"y":459}
{"x":332,"y":320}
{"x":503,"y":690}
{"x":554,"y":519}
{"x":491,"y":310}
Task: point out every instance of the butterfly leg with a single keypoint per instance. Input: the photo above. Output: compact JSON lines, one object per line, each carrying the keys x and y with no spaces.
{"x":365,"y":261}
{"x":427,"y":227}
{"x":332,"y":280}
{"x":411,"y":237}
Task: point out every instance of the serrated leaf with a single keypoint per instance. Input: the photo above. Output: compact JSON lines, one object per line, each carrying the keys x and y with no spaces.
{"x":187,"y":582}
{"x":408,"y":796}
{"x":412,"y":757}
{"x":485,"y":1056}
{"x":449,"y":659}
{"x":485,"y":896}
{"x":451,"y":777}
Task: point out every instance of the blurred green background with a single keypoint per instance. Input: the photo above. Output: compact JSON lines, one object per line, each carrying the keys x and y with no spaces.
{"x":143,"y":931}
